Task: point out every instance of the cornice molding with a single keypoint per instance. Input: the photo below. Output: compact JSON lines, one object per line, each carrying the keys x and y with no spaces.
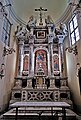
{"x":67,"y":13}
{"x":65,"y":16}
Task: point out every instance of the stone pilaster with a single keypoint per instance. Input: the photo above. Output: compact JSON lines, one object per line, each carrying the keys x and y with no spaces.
{"x":20,"y":66}
{"x":49,"y":67}
{"x":50,"y":47}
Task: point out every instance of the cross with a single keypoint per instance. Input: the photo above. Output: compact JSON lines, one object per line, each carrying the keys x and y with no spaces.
{"x":40,"y":9}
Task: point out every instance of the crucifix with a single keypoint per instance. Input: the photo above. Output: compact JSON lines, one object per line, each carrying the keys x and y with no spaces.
{"x":40,"y":9}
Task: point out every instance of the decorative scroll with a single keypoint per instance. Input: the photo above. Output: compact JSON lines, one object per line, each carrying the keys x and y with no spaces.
{"x":41,"y":60}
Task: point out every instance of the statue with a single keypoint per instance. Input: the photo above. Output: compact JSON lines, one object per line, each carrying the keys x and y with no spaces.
{"x":63,"y":28}
{"x":49,"y":20}
{"x":21,"y":31}
{"x":32,"y":21}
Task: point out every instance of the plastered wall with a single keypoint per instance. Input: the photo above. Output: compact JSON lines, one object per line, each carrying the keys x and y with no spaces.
{"x":71,"y":61}
{"x":7,"y":82}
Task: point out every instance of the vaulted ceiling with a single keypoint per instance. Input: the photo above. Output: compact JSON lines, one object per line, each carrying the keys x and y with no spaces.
{"x":25,"y":8}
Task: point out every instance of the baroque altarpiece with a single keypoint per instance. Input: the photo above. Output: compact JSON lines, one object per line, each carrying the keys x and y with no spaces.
{"x":40,"y":61}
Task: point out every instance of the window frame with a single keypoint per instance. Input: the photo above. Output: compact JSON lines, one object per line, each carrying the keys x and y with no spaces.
{"x":71,"y":32}
{"x":6,"y":32}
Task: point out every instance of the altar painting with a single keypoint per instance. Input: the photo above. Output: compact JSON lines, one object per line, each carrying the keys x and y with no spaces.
{"x":26,"y":63}
{"x":41,"y":60}
{"x":56,"y":62}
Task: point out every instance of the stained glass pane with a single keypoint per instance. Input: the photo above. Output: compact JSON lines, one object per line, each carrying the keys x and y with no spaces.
{"x":73,"y":38}
{"x":6,"y":31}
{"x":75,"y":22}
{"x":74,"y":31}
{"x":3,"y":35}
{"x":77,"y":34}
{"x":71,"y":26}
{"x":5,"y":23}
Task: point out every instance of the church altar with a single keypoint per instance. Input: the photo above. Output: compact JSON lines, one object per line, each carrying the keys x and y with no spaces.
{"x":40,"y":67}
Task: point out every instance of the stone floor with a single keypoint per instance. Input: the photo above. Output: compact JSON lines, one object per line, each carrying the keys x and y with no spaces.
{"x":78,"y":117}
{"x":10,"y":115}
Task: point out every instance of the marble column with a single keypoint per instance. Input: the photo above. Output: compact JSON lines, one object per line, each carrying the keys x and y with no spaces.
{"x":59,"y":53}
{"x":61,"y":58}
{"x":31,"y":43}
{"x":51,"y":58}
{"x":50,"y":47}
{"x":49,"y":67}
{"x":31,"y":60}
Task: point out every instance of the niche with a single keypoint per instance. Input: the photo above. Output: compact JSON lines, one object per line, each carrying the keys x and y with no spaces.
{"x":24,"y":83}
{"x":47,"y":82}
{"x":57,"y":83}
{"x":63,"y":95}
{"x":33,"y":82}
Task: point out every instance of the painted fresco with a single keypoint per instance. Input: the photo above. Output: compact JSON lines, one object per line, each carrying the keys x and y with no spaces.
{"x":41,"y":60}
{"x":25,"y":63}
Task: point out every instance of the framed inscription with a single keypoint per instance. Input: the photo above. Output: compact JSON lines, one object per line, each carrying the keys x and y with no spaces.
{"x":41,"y":34}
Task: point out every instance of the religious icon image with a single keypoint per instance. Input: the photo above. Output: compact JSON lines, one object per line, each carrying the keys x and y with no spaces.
{"x":40,"y":56}
{"x":56,"y":62}
{"x":41,"y":59}
{"x":25,"y":64}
